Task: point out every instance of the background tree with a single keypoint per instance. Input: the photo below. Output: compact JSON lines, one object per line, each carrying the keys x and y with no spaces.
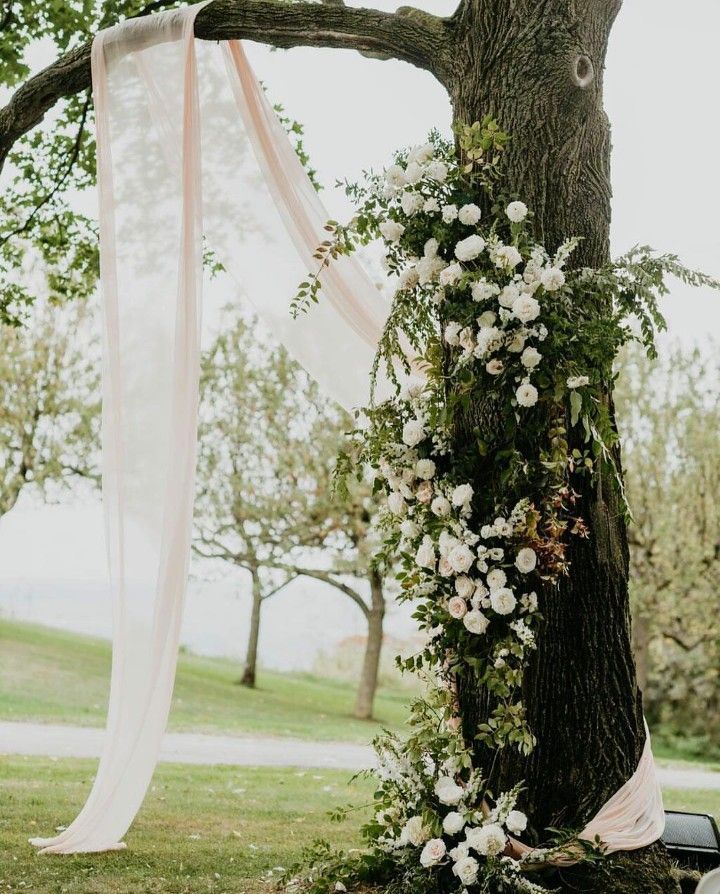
{"x":49,"y":403}
{"x":670,"y":415}
{"x":537,"y":69}
{"x":266,"y":503}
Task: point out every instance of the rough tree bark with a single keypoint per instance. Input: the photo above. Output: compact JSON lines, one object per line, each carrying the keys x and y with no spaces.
{"x":536,"y":66}
{"x":250,"y":669}
{"x":365,"y":699}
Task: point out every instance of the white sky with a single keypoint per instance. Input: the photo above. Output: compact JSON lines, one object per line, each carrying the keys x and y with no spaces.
{"x":661,"y":86}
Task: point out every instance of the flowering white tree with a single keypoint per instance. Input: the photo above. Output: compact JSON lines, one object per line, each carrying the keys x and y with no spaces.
{"x":268,"y":447}
{"x":49,"y":403}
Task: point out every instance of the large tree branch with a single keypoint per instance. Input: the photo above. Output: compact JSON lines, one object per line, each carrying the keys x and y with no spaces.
{"x":409,"y":34}
{"x":329,"y":578}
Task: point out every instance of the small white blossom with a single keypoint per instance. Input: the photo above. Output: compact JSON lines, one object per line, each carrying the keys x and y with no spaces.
{"x":408,"y":279}
{"x":526,"y":395}
{"x":577,"y":381}
{"x":466,"y":869}
{"x":468,"y":249}
{"x":413,"y":172}
{"x":462,"y":495}
{"x":425,"y":469}
{"x":440,"y":506}
{"x":509,"y":295}
{"x":396,"y":504}
{"x":552,"y":279}
{"x":516,"y":822}
{"x":496,"y":579}
{"x":506,"y":257}
{"x":437,"y":170}
{"x":431,"y":206}
{"x":424,"y":492}
{"x":494,"y":367}
{"x":469,"y":215}
{"x":503,"y":601}
{"x":452,"y":333}
{"x":476,"y":622}
{"x":482,"y":290}
{"x":526,"y":560}
{"x":466,"y":339}
{"x":421,"y":154}
{"x":425,"y":556}
{"x":409,"y":529}
{"x":411,"y":203}
{"x":516,"y":211}
{"x":530,"y":602}
{"x":395,"y":176}
{"x":516,"y":343}
{"x":486,"y":319}
{"x":414,"y":832}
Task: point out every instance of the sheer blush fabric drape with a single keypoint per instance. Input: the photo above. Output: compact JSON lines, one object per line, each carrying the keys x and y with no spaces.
{"x":189,"y":149}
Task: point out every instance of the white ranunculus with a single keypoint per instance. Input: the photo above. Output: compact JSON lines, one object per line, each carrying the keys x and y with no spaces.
{"x":526,"y":560}
{"x":509,"y":295}
{"x":530,"y":358}
{"x":464,"y":586}
{"x":440,"y":506}
{"x":414,"y":832}
{"x":466,"y":870}
{"x":526,"y":395}
{"x":489,"y":840}
{"x":476,"y":622}
{"x":453,"y":823}
{"x":391,"y":230}
{"x":411,"y":203}
{"x":487,"y":319}
{"x":425,"y":556}
{"x":396,"y":503}
{"x":496,"y":579}
{"x":425,"y":469}
{"x":395,"y":176}
{"x":437,"y":170}
{"x":577,"y":381}
{"x":457,"y":607}
{"x":469,"y":214}
{"x":413,"y":432}
{"x":516,"y":822}
{"x":409,"y":529}
{"x":461,"y":558}
{"x":503,"y":601}
{"x":494,"y":367}
{"x":468,"y":249}
{"x":450,"y":275}
{"x":449,"y":213}
{"x":448,"y":791}
{"x":452,"y":333}
{"x":552,"y":279}
{"x":506,"y":257}
{"x":433,"y":852}
{"x":516,"y":211}
{"x":413,"y":172}
{"x":526,"y":308}
{"x":462,"y":495}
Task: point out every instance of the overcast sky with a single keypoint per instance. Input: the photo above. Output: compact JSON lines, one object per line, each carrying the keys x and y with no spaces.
{"x":660,"y":93}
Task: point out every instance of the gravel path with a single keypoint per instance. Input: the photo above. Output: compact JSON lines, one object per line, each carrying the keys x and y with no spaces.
{"x":193,"y":748}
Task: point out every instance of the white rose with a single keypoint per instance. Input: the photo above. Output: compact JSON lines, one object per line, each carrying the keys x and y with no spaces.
{"x":482,"y":290}
{"x":476,"y":622}
{"x":395,"y":176}
{"x":431,"y":206}
{"x":421,"y":154}
{"x":453,"y":823}
{"x":487,"y":840}
{"x":396,"y":503}
{"x":470,"y":248}
{"x":424,"y":492}
{"x":496,"y":579}
{"x":449,"y":213}
{"x":526,"y":395}
{"x":425,"y":556}
{"x":448,"y":791}
{"x":526,"y":308}
{"x":462,"y":495}
{"x":486,"y":319}
{"x":440,"y":506}
{"x":461,"y":558}
{"x":413,"y":172}
{"x":506,"y":257}
{"x":437,"y":171}
{"x":452,"y":333}
{"x":530,"y":358}
{"x":516,"y":822}
{"x":430,"y":249}
{"x":445,"y":569}
{"x":577,"y":381}
{"x":409,"y":529}
{"x":494,"y":367}
{"x":457,"y":607}
{"x":526,"y":560}
{"x":411,"y":202}
{"x":414,"y":832}
{"x":466,"y":339}
{"x":516,"y":343}
{"x":489,"y":339}
{"x":466,"y":870}
{"x":425,"y":469}
{"x":459,"y":852}
{"x":450,"y":275}
{"x":413,"y":432}
{"x":392,"y":230}
{"x":469,"y":215}
{"x":464,"y":586}
{"x":503,"y":601}
{"x":552,"y":279}
{"x":516,"y":211}
{"x":433,"y":852}
{"x":509,"y":295}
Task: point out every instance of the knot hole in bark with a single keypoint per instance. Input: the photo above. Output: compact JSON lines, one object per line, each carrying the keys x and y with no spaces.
{"x":582,"y":71}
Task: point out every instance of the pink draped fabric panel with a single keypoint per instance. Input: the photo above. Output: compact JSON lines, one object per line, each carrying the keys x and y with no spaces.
{"x":190,"y":150}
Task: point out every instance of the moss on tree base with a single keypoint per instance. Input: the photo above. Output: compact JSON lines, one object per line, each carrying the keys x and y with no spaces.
{"x":649,"y":871}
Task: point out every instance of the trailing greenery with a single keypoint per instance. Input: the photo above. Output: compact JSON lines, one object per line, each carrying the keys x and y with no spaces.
{"x":499,"y":361}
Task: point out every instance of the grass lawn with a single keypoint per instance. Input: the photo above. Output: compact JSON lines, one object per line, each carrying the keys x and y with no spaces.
{"x":52,"y":676}
{"x":202,"y":829}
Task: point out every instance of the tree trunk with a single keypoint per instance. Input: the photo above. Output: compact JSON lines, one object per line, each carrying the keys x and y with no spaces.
{"x":537,"y":68}
{"x":371,"y":661}
{"x":641,"y":648}
{"x":250,"y":669}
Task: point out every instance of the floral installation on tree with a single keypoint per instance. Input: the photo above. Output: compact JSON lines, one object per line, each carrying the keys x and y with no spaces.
{"x":477,"y":516}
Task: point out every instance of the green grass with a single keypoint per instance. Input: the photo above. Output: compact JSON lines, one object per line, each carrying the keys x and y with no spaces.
{"x":201,"y":829}
{"x":52,"y":676}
